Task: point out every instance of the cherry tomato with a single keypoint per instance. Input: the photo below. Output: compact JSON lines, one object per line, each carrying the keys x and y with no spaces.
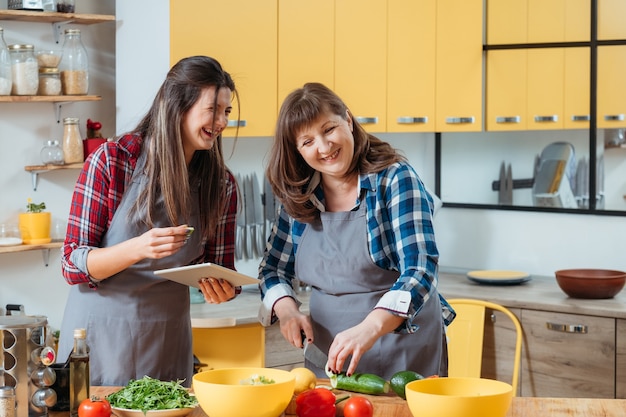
{"x":358,"y":406}
{"x":94,"y":407}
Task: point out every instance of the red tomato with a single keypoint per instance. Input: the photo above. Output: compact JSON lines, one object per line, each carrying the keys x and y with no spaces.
{"x":94,"y":407}
{"x":358,"y":407}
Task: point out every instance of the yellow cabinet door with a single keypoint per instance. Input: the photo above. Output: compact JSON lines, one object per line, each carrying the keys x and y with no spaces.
{"x":576,"y":88}
{"x":506,"y":90}
{"x":545,"y":88}
{"x":411,"y":66}
{"x":507,"y":22}
{"x":242,"y":35}
{"x":612,"y":86}
{"x":611,"y":15}
{"x":305,"y":44}
{"x":459,"y":58}
{"x":361,"y":60}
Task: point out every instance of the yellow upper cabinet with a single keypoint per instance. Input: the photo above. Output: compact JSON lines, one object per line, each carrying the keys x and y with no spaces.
{"x":361,"y":60}
{"x":411,"y":66}
{"x":459,"y":58}
{"x":506,"y":91}
{"x":545,"y":89}
{"x":611,"y":19}
{"x":612,"y":86}
{"x":306,"y":44}
{"x":576,"y":88}
{"x":243,"y":36}
{"x":538,"y":21}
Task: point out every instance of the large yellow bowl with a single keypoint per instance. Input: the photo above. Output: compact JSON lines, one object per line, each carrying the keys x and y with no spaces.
{"x":467,"y":397}
{"x":221,"y":393}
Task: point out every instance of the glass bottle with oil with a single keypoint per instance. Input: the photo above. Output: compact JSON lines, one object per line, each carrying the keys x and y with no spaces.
{"x":79,"y":371}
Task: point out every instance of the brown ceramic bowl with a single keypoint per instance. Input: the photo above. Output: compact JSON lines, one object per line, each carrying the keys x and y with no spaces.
{"x":591,"y":283}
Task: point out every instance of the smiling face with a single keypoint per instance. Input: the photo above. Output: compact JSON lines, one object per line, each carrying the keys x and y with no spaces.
{"x":327,"y":144}
{"x":206,"y":120}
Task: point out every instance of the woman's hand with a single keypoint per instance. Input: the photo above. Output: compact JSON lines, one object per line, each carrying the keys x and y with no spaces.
{"x":216,"y":290}
{"x":292,"y":322}
{"x":357,"y":340}
{"x":160,"y":242}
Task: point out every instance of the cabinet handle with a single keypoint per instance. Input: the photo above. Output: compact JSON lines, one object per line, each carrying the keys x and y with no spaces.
{"x":614,"y":117}
{"x":233,"y":123}
{"x":542,"y":119}
{"x":367,"y":120}
{"x":567,"y":328}
{"x":459,"y":120}
{"x":581,"y":118}
{"x":508,"y":119}
{"x":408,"y":120}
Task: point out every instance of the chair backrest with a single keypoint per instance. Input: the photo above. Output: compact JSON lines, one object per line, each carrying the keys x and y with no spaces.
{"x":465,"y":338}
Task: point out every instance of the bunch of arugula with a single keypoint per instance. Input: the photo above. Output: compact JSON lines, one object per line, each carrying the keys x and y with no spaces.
{"x":151,"y":394}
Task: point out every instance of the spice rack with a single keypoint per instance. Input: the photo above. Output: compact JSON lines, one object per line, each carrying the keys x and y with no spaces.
{"x":57,"y":20}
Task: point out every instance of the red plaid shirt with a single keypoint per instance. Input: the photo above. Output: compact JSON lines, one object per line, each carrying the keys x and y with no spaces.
{"x":98,"y":193}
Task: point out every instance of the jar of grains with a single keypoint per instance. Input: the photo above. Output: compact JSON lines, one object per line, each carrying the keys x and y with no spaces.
{"x":6,"y":78}
{"x":7,"y":401}
{"x":74,"y":64}
{"x":72,"y":141}
{"x":49,"y":82}
{"x":24,"y":69}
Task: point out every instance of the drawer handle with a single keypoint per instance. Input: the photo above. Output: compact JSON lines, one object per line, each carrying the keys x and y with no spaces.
{"x":542,"y":119}
{"x":459,"y":120}
{"x":581,"y":118}
{"x":614,"y":118}
{"x":508,"y":119}
{"x":367,"y":120}
{"x":408,"y":120}
{"x":233,"y":123}
{"x":567,"y":328}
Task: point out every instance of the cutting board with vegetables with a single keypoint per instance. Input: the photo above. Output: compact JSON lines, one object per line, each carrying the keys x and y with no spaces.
{"x":384,"y":405}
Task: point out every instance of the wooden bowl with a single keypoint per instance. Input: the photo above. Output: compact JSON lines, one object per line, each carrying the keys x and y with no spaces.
{"x":591,"y":283}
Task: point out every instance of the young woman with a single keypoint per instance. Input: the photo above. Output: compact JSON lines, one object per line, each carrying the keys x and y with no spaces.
{"x":132,"y":204}
{"x":356,"y":225}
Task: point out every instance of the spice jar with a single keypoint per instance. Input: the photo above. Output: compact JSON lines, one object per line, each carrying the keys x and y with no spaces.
{"x":72,"y":141}
{"x":74,"y":64}
{"x":6,"y":78}
{"x":52,"y":153}
{"x":24,"y":69}
{"x":49,"y":82}
{"x":7,"y":401}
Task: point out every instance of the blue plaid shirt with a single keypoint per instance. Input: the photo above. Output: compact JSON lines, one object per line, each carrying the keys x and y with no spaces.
{"x":401,"y":238}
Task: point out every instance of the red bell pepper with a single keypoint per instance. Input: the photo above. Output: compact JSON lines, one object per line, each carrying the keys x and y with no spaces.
{"x":316,"y":402}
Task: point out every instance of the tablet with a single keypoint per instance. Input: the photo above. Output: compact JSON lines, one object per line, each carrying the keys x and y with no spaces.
{"x":191,"y":274}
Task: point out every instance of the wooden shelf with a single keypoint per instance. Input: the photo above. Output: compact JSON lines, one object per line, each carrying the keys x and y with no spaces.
{"x":24,"y":248}
{"x":35,"y":170}
{"x":47,"y":99}
{"x":55,"y":17}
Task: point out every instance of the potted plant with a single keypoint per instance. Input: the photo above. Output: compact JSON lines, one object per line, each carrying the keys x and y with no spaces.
{"x":35,"y":224}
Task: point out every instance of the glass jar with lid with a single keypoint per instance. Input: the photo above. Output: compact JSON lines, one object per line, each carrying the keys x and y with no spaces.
{"x":24,"y":70}
{"x":49,"y":82}
{"x":7,"y":402}
{"x":74,"y":64}
{"x":72,"y":141}
{"x":52,"y":153}
{"x":6,"y":78}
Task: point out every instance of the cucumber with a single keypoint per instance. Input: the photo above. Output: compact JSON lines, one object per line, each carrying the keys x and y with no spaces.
{"x":361,"y":383}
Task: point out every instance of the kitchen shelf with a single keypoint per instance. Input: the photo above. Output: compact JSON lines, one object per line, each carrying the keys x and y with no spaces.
{"x":45,"y":248}
{"x":35,"y":170}
{"x":55,"y":17}
{"x":47,"y":99}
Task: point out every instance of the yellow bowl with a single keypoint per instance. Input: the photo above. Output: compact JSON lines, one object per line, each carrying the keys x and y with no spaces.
{"x":467,"y":397}
{"x":221,"y":392}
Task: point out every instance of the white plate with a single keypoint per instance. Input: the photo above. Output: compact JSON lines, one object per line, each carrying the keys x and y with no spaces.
{"x":498,"y":277}
{"x":10,"y":241}
{"x":174,"y":412}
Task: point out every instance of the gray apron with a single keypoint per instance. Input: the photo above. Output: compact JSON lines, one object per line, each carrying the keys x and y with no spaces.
{"x":333,"y":257}
{"x":137,"y":324}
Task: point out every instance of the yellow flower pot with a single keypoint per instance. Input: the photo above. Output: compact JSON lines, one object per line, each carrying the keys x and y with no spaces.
{"x":35,"y":227}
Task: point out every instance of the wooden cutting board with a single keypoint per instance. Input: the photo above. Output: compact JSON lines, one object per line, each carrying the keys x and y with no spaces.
{"x":384,"y":405}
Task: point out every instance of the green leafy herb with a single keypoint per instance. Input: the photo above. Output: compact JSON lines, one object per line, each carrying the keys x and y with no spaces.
{"x":151,"y":394}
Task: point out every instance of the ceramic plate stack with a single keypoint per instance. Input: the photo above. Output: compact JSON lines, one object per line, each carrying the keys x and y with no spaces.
{"x":498,"y":277}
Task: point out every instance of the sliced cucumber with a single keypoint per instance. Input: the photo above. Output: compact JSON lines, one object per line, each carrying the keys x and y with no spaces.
{"x":361,"y":383}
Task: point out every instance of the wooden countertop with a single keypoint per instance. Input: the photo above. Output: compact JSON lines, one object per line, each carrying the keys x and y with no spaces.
{"x":520,"y":406}
{"x":540,"y":293}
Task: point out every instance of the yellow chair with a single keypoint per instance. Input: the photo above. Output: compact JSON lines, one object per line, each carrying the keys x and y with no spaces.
{"x":466,"y":334}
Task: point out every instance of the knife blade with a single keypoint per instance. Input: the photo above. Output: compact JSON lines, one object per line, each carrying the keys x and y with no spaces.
{"x":249,"y":217}
{"x":315,"y":355}
{"x":269,"y":204}
{"x":509,"y":186}
{"x":259,"y":220}
{"x":241,"y":219}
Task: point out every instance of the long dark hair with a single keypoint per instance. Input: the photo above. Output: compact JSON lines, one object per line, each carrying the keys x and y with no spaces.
{"x":166,"y":169}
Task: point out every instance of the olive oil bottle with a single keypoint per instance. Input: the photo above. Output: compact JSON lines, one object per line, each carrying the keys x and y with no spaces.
{"x":79,"y":371}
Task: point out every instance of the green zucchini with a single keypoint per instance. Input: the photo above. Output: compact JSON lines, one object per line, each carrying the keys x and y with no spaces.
{"x":361,"y":383}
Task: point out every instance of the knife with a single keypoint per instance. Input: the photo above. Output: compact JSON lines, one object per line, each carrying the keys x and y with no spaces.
{"x":269,"y":204}
{"x":315,"y":355}
{"x":249,"y":239}
{"x":241,"y":220}
{"x":259,"y":220}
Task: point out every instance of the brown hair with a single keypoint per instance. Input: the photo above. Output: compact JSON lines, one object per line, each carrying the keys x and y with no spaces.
{"x":165,"y":165}
{"x":287,"y":171}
